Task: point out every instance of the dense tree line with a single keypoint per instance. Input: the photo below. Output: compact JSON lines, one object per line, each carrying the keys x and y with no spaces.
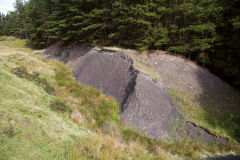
{"x":207,"y":31}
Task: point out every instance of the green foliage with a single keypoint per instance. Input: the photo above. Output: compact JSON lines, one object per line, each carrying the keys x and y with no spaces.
{"x":187,"y":27}
{"x":203,"y":58}
{"x":59,"y":106}
{"x":42,"y":82}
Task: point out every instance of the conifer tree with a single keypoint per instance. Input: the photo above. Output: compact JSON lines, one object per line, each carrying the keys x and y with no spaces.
{"x":207,"y":31}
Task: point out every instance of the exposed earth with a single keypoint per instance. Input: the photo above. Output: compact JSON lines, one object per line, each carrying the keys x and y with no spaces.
{"x":144,"y":97}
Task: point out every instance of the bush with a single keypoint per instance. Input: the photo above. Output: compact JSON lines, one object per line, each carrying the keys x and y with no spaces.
{"x":59,"y":106}
{"x":35,"y":77}
{"x":134,"y":135}
{"x":21,"y":72}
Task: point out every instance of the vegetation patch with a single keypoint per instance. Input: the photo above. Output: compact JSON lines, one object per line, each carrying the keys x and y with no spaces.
{"x":29,"y":129}
{"x":224,"y":123}
{"x":59,"y":106}
{"x":3,"y":38}
{"x":182,"y":148}
{"x":42,"y":82}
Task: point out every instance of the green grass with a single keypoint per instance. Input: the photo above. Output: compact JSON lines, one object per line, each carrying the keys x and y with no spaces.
{"x":3,"y":38}
{"x":37,"y":124}
{"x":27,"y":123}
{"x":96,"y":108}
{"x":223,"y":123}
{"x":23,"y":73}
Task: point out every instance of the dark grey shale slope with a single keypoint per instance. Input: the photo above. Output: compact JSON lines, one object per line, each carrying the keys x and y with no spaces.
{"x":111,"y":72}
{"x":145,"y":105}
{"x":149,"y":109}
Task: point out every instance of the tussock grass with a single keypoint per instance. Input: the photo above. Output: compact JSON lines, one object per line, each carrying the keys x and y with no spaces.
{"x":96,"y":108}
{"x":35,"y":124}
{"x":102,"y":147}
{"x":59,"y":106}
{"x":23,"y":73}
{"x":29,"y":129}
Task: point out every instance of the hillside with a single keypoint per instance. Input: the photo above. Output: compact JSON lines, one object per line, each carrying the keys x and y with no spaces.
{"x":45,"y":114}
{"x":145,"y":101}
{"x":143,"y":85}
{"x":37,"y":124}
{"x":120,"y":80}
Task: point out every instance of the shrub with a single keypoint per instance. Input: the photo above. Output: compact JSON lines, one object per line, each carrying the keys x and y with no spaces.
{"x":21,"y":72}
{"x":134,"y":135}
{"x":35,"y":77}
{"x":59,"y":106}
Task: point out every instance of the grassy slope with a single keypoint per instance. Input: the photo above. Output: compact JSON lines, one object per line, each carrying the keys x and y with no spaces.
{"x":30,"y":129}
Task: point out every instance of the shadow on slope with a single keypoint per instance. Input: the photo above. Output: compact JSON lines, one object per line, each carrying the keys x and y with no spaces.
{"x":200,"y":97}
{"x":219,"y":105}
